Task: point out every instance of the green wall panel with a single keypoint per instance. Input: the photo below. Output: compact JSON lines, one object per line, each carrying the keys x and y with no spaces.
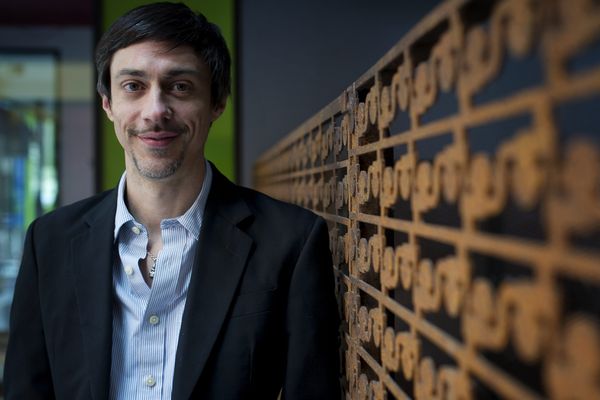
{"x":220,"y":147}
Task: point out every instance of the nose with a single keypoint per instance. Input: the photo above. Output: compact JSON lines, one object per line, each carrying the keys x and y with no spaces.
{"x":156,"y":107}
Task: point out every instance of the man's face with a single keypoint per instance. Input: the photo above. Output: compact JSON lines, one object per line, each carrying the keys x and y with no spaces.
{"x":161,"y":108}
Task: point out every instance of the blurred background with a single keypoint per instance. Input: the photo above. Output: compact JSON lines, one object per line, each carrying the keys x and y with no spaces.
{"x":290,"y":60}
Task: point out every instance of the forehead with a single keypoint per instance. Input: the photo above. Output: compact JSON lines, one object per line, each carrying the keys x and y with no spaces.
{"x":156,"y":57}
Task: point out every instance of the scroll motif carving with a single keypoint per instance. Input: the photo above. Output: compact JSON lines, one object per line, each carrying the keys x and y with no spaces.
{"x":443,"y":383}
{"x":466,"y":245}
{"x":525,"y":310}
{"x":512,"y":26}
{"x":573,"y":367}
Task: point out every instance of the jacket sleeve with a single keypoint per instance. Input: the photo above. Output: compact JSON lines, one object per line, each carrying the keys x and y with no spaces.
{"x":26,"y":369}
{"x":312,"y":370}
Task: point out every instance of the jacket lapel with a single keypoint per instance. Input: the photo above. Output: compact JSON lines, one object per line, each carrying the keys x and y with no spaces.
{"x":220,"y":261}
{"x":92,"y":267}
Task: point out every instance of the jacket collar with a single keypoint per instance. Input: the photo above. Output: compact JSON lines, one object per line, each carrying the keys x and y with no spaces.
{"x":91,"y":260}
{"x":222,"y":251}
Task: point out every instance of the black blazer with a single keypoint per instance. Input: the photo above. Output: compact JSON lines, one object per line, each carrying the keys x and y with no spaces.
{"x":260,"y":316}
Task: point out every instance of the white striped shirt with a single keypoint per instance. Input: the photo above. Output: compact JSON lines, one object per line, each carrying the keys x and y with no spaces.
{"x":147,"y":320}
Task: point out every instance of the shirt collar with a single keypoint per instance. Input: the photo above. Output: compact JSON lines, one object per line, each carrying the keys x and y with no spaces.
{"x":191,"y":220}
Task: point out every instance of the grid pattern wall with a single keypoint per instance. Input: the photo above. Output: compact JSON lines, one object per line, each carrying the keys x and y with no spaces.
{"x":460,"y":178}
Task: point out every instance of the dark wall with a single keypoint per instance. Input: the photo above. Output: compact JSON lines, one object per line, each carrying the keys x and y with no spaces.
{"x":49,"y":13}
{"x":296,"y":57}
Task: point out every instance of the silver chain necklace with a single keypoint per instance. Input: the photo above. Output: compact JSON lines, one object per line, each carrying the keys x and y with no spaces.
{"x":152,"y":269}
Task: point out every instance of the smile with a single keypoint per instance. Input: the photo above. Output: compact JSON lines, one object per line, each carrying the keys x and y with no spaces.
{"x":158,"y":139}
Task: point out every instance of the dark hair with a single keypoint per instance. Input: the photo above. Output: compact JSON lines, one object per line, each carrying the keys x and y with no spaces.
{"x":175,"y":24}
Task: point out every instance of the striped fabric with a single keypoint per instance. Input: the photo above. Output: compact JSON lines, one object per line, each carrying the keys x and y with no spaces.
{"x":147,"y":320}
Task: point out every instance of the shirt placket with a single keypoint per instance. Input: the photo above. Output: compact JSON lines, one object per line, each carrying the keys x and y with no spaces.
{"x":145,"y":340}
{"x":150,"y":344}
{"x":160,"y":302}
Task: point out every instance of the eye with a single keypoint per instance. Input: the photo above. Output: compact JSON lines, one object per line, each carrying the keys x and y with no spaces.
{"x":132,"y":86}
{"x":181,"y":87}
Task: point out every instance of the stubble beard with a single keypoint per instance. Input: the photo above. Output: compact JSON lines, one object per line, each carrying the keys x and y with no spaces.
{"x":163,"y":166}
{"x":157,"y":170}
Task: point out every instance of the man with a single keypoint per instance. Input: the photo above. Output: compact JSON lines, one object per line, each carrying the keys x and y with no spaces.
{"x":177,"y":284}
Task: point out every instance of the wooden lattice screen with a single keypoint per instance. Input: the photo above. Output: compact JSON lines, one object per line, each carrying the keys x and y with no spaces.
{"x":460,"y":178}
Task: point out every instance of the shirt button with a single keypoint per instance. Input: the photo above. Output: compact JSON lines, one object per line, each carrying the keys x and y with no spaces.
{"x":129,"y":270}
{"x":136,"y":230}
{"x":149,"y":381}
{"x":154,"y":319}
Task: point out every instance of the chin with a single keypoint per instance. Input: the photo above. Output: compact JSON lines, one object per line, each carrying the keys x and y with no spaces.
{"x":158,"y":171}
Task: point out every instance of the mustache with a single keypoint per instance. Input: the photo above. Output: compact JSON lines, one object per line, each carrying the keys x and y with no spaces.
{"x":156,"y":128}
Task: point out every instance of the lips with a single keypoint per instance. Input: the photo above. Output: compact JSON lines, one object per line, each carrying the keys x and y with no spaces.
{"x":158,"y":139}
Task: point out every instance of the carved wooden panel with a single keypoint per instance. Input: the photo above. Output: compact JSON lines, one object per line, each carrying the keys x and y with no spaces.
{"x":460,"y":177}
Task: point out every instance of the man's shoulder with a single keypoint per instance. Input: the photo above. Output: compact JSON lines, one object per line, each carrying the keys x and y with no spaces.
{"x":74,"y":213}
{"x":271,"y":210}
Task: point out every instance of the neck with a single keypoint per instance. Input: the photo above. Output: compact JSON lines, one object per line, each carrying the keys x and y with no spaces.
{"x":152,"y":200}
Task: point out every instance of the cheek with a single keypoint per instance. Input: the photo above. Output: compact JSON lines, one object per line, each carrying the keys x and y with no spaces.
{"x":121,"y":137}
{"x":120,"y":126}
{"x":123,"y":121}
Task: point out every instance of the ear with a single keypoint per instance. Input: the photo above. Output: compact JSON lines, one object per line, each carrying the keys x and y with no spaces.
{"x":107,"y":107}
{"x":217,"y":111}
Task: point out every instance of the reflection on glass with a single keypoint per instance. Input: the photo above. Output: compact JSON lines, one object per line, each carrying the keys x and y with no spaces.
{"x":28,"y":170}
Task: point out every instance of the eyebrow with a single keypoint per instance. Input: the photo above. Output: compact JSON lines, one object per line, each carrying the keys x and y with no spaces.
{"x":131,"y":72}
{"x":170,"y":74}
{"x":183,"y":71}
